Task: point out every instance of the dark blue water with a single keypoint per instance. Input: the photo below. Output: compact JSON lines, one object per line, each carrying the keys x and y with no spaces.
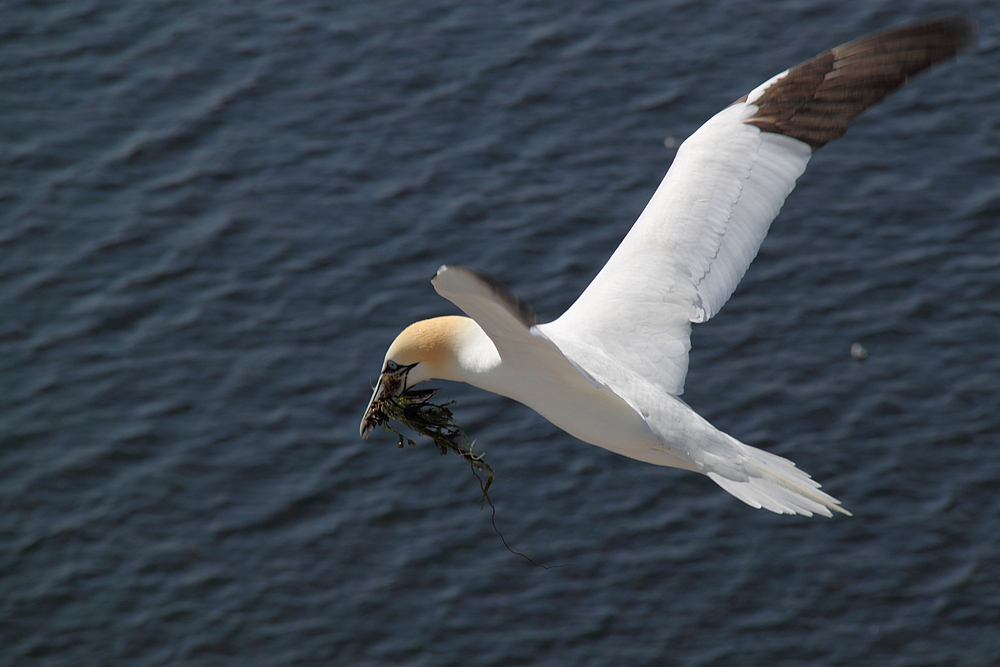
{"x":215,"y":216}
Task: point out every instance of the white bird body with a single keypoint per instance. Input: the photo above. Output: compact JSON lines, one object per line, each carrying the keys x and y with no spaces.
{"x":627,"y":414}
{"x":611,"y":369}
{"x":540,"y":376}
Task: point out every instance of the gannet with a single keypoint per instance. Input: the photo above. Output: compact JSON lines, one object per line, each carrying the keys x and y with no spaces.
{"x":611,"y":369}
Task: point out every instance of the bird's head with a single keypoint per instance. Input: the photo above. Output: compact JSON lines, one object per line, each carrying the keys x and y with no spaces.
{"x":425,"y":350}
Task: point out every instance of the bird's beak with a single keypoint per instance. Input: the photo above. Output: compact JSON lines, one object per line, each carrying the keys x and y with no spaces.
{"x":368,"y":421}
{"x":391,"y":383}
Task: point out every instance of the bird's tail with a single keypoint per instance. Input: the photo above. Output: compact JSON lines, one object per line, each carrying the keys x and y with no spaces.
{"x":774,"y":483}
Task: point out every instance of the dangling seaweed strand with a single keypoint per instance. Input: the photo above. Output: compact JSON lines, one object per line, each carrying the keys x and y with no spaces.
{"x":414,"y":410}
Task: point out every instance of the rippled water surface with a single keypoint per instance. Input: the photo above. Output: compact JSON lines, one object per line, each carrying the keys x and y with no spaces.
{"x":215,"y":216}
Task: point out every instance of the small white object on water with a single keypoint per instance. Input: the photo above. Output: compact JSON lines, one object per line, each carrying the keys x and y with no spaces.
{"x":859,"y":352}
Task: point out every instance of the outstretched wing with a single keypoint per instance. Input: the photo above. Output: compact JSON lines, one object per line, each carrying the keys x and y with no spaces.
{"x":695,"y":239}
{"x":501,"y":314}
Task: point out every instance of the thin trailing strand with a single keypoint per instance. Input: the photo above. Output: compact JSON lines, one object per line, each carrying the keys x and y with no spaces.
{"x":414,"y":410}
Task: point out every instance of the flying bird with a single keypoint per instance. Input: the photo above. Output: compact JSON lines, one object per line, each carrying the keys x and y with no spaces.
{"x":611,"y":369}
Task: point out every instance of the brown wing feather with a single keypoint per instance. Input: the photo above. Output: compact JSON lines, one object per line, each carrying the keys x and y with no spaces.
{"x":815,"y":100}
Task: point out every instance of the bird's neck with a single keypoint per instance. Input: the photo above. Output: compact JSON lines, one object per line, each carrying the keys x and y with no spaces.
{"x":475,"y":359}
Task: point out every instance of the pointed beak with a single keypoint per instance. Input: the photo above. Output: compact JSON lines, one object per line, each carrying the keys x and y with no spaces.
{"x":391,"y":383}
{"x":368,"y":421}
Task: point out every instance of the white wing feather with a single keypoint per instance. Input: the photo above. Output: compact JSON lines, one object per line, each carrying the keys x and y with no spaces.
{"x":686,"y":253}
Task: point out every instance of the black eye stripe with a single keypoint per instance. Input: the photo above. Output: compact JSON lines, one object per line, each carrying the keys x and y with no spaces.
{"x":397,"y":369}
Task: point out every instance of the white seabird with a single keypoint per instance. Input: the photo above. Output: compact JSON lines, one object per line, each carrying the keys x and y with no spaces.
{"x":610,"y":370}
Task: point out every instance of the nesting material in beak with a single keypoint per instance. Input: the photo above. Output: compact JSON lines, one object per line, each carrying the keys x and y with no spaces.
{"x":414,"y":410}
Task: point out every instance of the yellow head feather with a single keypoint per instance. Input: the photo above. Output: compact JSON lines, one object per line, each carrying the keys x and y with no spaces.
{"x":431,"y":343}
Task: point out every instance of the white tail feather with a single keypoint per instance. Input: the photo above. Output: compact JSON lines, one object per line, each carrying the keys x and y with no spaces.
{"x":774,"y":483}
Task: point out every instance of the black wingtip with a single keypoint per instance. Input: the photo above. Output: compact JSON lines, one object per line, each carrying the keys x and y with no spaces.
{"x":816,"y":100}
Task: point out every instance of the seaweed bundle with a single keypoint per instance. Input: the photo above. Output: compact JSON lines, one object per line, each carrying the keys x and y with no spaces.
{"x":414,"y":410}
